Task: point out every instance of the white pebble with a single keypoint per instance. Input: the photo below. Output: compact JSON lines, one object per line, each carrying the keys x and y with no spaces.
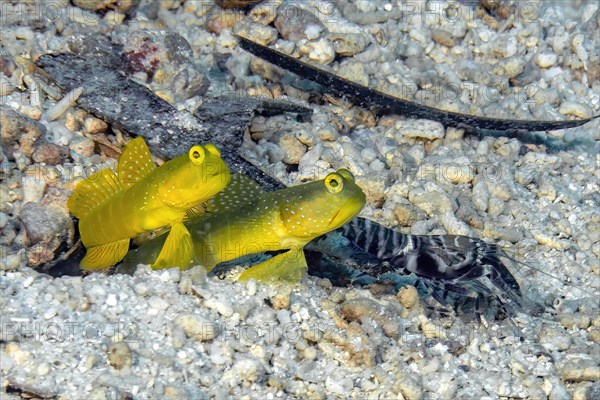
{"x":51,"y":312}
{"x":321,"y":51}
{"x":546,"y":60}
{"x":43,"y":369}
{"x":334,"y":387}
{"x":33,"y":189}
{"x":83,"y":146}
{"x":580,"y":50}
{"x":420,"y":35}
{"x":220,"y":305}
{"x":175,"y":274}
{"x":439,"y":349}
{"x":165,"y":276}
{"x":454,"y":226}
{"x":10,"y":262}
{"x":61,"y":135}
{"x":328,"y":133}
{"x":157,"y":303}
{"x":589,"y":11}
{"x":247,"y":370}
{"x":458,"y":171}
{"x":377,"y":165}
{"x":577,"y":109}
{"x":310,"y":353}
{"x":481,"y":196}
{"x":551,"y":73}
{"x":34,"y":92}
{"x":217,"y":355}
{"x":24,"y":33}
{"x":111,"y":300}
{"x":368,"y":154}
{"x":251,"y":287}
{"x":283,"y":316}
{"x":306,"y":137}
{"x":313,"y":31}
{"x":551,"y":241}
{"x":141,"y":289}
{"x":28,"y":281}
{"x":196,"y":327}
{"x":7,"y":364}
{"x":217,"y":359}
{"x":3,"y":220}
{"x":57,"y":110}
{"x":421,"y":128}
{"x":365,"y":6}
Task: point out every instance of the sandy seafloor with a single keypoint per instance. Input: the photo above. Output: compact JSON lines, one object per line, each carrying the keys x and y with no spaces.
{"x":171,"y":334}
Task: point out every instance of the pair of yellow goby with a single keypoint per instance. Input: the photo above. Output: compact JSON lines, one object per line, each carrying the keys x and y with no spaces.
{"x":241,"y":219}
{"x":244,"y":219}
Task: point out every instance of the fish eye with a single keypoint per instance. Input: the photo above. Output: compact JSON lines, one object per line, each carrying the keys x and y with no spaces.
{"x":212,"y":149}
{"x":197,"y":155}
{"x":334,"y":183}
{"x":346,"y":174}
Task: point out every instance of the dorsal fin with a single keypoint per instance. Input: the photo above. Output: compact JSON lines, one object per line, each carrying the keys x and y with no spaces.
{"x":93,"y":191}
{"x":241,"y":191}
{"x":135,"y":163}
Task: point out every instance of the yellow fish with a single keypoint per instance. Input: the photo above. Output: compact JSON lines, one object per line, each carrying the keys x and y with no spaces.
{"x":114,"y":207}
{"x":244,"y":219}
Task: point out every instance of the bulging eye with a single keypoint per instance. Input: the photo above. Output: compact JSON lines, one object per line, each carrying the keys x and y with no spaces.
{"x":334,"y":183}
{"x":346,"y":174}
{"x":197,"y":155}
{"x":212,"y":149}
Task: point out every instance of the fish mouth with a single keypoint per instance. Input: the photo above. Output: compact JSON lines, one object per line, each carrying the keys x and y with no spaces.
{"x":343,"y":214}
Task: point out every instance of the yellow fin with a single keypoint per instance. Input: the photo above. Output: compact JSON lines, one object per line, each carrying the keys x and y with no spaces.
{"x":93,"y":191}
{"x":241,"y":191}
{"x":289,"y":267}
{"x":105,"y":256}
{"x":135,"y":163}
{"x":177,"y":251}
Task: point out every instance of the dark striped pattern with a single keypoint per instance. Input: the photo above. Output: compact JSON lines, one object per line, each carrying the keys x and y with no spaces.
{"x":457,"y":271}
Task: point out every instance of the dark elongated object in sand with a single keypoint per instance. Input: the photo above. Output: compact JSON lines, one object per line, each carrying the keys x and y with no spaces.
{"x":365,"y":96}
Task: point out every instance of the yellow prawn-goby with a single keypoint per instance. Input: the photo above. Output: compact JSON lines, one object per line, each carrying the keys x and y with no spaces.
{"x":139,"y":197}
{"x":244,"y":219}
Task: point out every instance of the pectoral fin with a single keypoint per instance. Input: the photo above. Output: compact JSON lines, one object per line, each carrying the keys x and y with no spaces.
{"x":195,"y":212}
{"x":289,"y":266}
{"x":105,"y":256}
{"x":177,"y":251}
